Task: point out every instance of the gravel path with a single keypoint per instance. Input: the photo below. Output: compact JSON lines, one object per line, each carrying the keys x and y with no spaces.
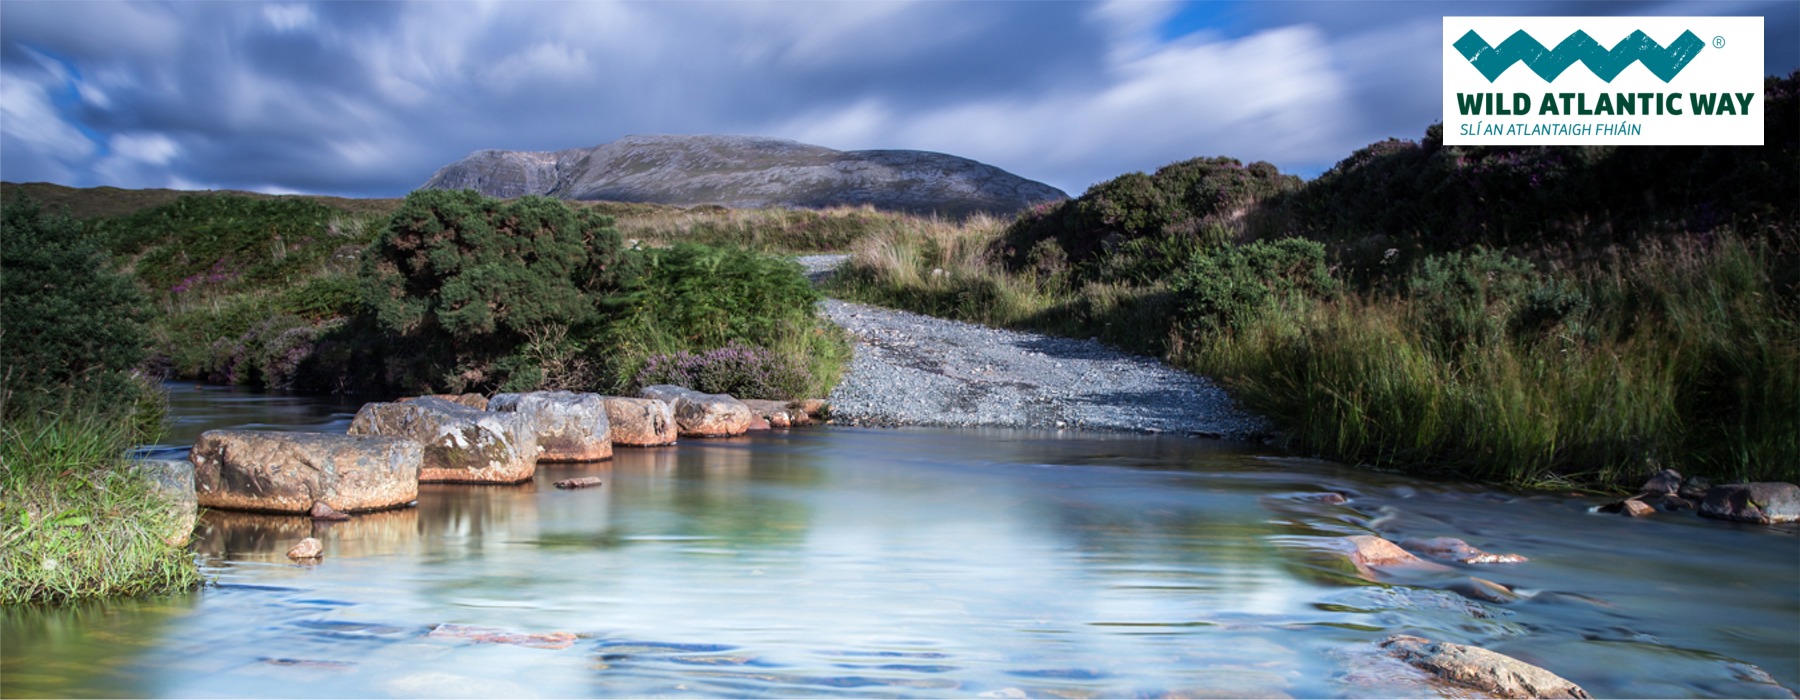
{"x":911,"y":369}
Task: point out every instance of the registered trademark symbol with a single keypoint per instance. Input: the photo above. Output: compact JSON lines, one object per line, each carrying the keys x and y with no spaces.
{"x":1718,"y":42}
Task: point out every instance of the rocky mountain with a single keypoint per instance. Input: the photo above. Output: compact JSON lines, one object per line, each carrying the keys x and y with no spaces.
{"x":748,"y":172}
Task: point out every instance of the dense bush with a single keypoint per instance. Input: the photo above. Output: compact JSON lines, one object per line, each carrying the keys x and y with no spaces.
{"x":705,"y":297}
{"x":1187,"y":206}
{"x":459,"y":282}
{"x":67,"y":320}
{"x":1230,"y":287}
{"x":739,"y":370}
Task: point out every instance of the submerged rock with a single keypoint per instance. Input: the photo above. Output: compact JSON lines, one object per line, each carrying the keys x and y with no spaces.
{"x":1765,"y":502}
{"x":570,"y":427}
{"x":581,"y":482}
{"x":461,"y":444}
{"x":489,"y":635}
{"x":1481,"y":670}
{"x":308,"y":548}
{"x":174,"y":479}
{"x":1453,"y":549}
{"x":1663,"y":483}
{"x":640,"y":422}
{"x":323,"y":511}
{"x":289,"y":472}
{"x":702,"y":415}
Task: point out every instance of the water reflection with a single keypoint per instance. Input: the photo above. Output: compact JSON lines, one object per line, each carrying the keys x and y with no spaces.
{"x":920,"y":563}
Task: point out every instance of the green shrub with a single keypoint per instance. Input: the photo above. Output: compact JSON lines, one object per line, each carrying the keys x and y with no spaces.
{"x":704,"y":297}
{"x":1463,"y":300}
{"x":1191,"y":205}
{"x":66,"y":318}
{"x":1229,"y":288}
{"x":458,"y":282}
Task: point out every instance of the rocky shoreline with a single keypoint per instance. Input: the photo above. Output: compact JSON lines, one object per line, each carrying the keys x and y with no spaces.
{"x":916,"y":370}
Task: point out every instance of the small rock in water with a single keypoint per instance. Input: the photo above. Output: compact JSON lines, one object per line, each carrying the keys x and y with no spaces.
{"x":308,"y":548}
{"x":1636,"y":508}
{"x":1694,"y":488}
{"x":578,"y":482}
{"x":1481,"y":670}
{"x":1664,"y":482}
{"x":1760,"y":502}
{"x":489,"y":635}
{"x":1483,"y":590}
{"x":1453,"y":549}
{"x":323,"y":511}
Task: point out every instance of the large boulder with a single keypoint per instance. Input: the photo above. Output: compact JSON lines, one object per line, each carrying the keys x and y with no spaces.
{"x":1764,"y":502}
{"x":475,"y":401}
{"x":702,"y":415}
{"x":570,"y":427}
{"x":640,"y":422}
{"x":289,"y":472}
{"x":461,"y":443}
{"x":1494,"y":674}
{"x":174,"y":479}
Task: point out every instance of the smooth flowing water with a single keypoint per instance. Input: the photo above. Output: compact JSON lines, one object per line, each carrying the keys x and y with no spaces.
{"x":883,"y":563}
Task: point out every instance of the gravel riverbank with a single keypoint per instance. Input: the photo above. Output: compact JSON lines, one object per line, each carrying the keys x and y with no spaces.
{"x":911,"y":369}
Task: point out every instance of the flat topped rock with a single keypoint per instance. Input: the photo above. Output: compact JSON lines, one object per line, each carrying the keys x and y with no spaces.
{"x":461,"y":444}
{"x":640,"y":422}
{"x":570,"y":427}
{"x":700,"y":414}
{"x":289,"y":472}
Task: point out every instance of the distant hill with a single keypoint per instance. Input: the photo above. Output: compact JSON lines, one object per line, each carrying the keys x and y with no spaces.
{"x":748,"y":172}
{"x":95,"y":202}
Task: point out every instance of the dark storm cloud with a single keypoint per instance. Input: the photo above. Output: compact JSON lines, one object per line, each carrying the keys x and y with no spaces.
{"x":370,"y":98}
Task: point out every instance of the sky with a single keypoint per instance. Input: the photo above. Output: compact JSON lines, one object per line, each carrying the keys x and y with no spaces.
{"x":369,"y":99}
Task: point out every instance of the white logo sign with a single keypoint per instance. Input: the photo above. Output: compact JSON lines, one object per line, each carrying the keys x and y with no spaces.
{"x":1639,"y":81}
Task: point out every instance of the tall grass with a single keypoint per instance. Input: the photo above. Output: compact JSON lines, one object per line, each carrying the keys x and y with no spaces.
{"x":771,"y":230}
{"x":1683,"y":354}
{"x":76,"y":520}
{"x":1690,"y":359}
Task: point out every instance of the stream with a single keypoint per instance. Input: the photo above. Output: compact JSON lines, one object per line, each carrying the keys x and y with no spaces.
{"x":914,"y":563}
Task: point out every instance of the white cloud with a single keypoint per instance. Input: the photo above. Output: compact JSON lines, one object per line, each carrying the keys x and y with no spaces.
{"x":289,"y":18}
{"x":30,"y":121}
{"x":150,"y":149}
{"x":544,"y":62}
{"x":1270,"y":96}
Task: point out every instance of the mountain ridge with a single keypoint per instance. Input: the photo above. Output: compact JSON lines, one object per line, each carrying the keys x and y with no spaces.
{"x":748,"y":172}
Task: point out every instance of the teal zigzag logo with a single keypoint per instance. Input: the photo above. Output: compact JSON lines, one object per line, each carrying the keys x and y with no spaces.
{"x":1607,"y":64}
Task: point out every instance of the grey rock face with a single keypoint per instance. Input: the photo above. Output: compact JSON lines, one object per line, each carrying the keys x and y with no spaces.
{"x":571,"y":427}
{"x":748,"y":172}
{"x":461,"y":444}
